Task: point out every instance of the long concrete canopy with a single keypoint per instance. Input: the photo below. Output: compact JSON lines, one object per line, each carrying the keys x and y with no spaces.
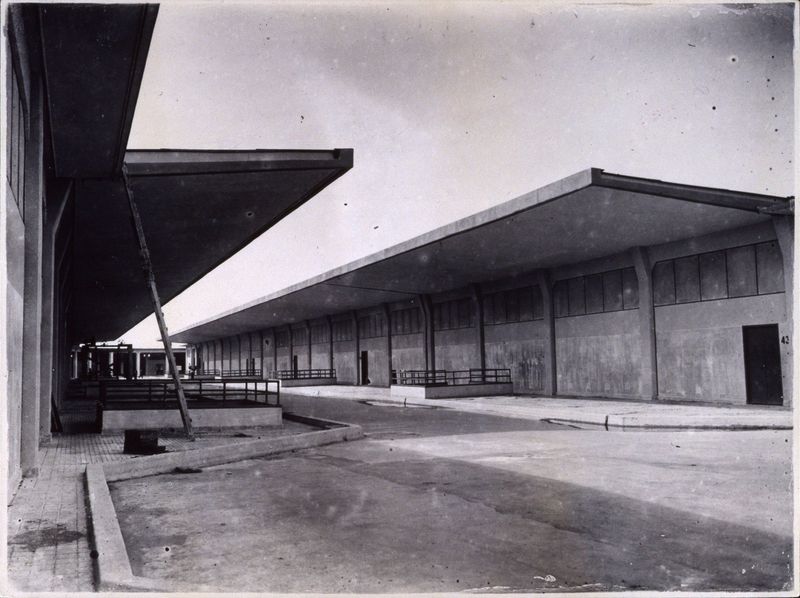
{"x":587,"y":215}
{"x":197,"y":207}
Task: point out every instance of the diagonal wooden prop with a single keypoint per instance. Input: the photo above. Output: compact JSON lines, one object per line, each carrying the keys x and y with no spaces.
{"x":147,"y":266}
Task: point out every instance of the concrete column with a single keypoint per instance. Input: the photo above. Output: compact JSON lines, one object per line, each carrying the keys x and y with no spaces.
{"x":48,"y":333}
{"x":32,"y":307}
{"x":550,"y":373}
{"x":308,"y":339}
{"x":274,"y":352}
{"x":238,"y":354}
{"x":330,"y":342}
{"x":291,"y":348}
{"x":357,"y":345}
{"x":480,"y":338}
{"x":426,"y":307}
{"x":261,"y":353}
{"x":387,"y":314}
{"x":784,"y":229}
{"x":648,"y":372}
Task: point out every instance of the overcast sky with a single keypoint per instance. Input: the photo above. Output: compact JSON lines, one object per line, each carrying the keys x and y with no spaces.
{"x":455,"y":107}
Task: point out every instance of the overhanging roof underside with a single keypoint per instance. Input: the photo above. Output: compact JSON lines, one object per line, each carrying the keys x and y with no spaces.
{"x":94,"y":57}
{"x":588,"y":215}
{"x":197,"y":208}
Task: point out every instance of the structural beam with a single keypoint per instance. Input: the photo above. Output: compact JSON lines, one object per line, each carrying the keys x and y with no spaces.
{"x":147,"y":266}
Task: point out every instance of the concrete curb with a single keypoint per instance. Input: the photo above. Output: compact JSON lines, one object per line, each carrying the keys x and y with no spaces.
{"x":217,"y":455}
{"x":629,"y":422}
{"x":112,"y":566}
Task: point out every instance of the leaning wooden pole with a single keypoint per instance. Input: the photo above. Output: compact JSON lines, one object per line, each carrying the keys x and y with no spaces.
{"x":147,"y":267}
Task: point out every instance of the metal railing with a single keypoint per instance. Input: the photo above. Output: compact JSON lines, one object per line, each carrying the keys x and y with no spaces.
{"x":246,"y":373}
{"x":258,"y":391}
{"x":302,"y":374}
{"x":454,"y":377}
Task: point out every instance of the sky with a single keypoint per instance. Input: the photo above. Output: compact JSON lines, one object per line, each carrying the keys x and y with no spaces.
{"x":454,"y":107}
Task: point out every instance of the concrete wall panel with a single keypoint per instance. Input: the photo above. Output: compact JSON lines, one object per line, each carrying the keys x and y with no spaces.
{"x":457,"y":349}
{"x":408,"y":352}
{"x":598,"y":355}
{"x":284,"y":358}
{"x":520,"y":347}
{"x":319,"y":356}
{"x":378,"y":360}
{"x":700,"y":347}
{"x":344,"y":362}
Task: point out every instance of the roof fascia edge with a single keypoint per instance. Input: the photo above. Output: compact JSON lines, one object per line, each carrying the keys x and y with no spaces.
{"x":146,"y":28}
{"x":340,"y":159}
{"x":752,"y":202}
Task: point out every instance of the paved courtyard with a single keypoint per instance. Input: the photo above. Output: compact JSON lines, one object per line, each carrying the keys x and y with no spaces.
{"x":444,"y":500}
{"x":48,"y":539}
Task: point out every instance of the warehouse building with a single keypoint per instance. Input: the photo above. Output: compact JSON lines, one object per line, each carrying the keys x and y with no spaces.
{"x":597,"y":285}
{"x":73,"y":265}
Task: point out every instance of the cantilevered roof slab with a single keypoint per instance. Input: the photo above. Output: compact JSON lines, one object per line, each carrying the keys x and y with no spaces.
{"x":585,"y":216}
{"x":198,"y":208}
{"x":94,"y":57}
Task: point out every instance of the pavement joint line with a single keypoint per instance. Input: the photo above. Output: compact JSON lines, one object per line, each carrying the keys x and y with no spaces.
{"x":112,"y":565}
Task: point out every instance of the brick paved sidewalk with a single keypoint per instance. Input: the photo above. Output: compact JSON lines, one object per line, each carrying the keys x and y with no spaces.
{"x":48,"y":544}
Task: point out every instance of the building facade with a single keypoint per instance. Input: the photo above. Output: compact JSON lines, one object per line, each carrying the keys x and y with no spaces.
{"x":701,"y":312}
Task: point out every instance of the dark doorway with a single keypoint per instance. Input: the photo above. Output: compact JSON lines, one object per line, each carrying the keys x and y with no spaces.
{"x":364,"y":367}
{"x":294,"y":364}
{"x":762,"y":365}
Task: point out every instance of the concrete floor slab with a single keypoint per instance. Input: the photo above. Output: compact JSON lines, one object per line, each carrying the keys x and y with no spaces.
{"x":48,"y":535}
{"x":482,"y":504}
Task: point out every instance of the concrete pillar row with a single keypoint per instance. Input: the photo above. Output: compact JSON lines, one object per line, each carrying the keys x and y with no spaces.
{"x":551,"y":375}
{"x":32,"y":301}
{"x":648,"y":372}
